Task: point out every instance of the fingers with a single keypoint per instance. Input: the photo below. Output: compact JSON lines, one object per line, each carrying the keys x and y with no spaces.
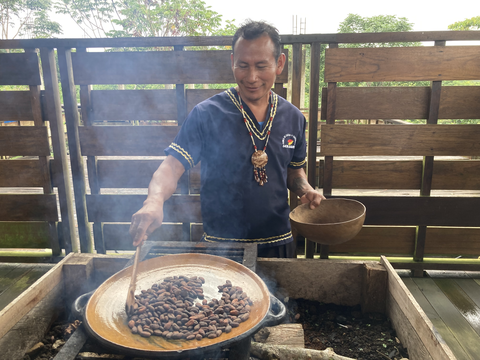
{"x":139,"y":229}
{"x":313,"y":198}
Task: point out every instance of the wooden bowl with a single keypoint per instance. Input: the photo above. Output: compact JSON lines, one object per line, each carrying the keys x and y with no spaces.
{"x":334,"y":221}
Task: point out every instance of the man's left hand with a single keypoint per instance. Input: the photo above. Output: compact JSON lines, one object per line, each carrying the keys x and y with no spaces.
{"x":313,"y":197}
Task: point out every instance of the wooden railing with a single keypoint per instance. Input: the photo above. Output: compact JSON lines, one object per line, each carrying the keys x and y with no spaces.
{"x":405,"y":226}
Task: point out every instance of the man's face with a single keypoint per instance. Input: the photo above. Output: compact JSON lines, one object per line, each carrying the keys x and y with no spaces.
{"x":255,"y":67}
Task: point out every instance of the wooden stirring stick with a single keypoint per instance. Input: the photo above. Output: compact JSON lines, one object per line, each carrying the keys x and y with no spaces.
{"x":133,"y":283}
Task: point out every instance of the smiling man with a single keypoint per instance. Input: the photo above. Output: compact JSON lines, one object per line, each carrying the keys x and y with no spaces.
{"x":251,"y":143}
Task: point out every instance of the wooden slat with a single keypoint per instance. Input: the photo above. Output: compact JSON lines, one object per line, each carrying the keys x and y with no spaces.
{"x":456,"y":175}
{"x":399,"y":241}
{"x":19,"y":69}
{"x":137,"y":174}
{"x":28,"y":208}
{"x":405,"y":36}
{"x":120,"y":208}
{"x":433,"y":211}
{"x":126,"y":173}
{"x":382,"y":103}
{"x":404,"y":174}
{"x":11,"y":314}
{"x":401,"y":140}
{"x":24,"y":141}
{"x":436,"y":320}
{"x":466,"y":306}
{"x":450,"y":316}
{"x":366,"y":174}
{"x":471,"y":288}
{"x":402,"y":64}
{"x":158,"y":67}
{"x":133,"y":105}
{"x":20,"y":284}
{"x":12,"y":274}
{"x":21,"y":173}
{"x":452,"y":241}
{"x":196,"y":96}
{"x":414,"y":314}
{"x":460,"y":102}
{"x":126,"y":140}
{"x":15,"y":106}
{"x":116,"y":236}
{"x":24,"y":235}
{"x":456,"y":102}
{"x":379,"y":240}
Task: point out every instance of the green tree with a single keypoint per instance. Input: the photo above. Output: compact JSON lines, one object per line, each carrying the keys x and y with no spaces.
{"x":354,"y":23}
{"x":27,"y":18}
{"x":146,"y":18}
{"x":467,"y":24}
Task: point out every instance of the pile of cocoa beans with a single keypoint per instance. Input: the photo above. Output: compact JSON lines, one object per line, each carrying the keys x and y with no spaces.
{"x":170,"y":309}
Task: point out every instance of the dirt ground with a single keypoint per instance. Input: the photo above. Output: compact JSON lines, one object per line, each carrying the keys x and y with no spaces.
{"x":346,"y":330}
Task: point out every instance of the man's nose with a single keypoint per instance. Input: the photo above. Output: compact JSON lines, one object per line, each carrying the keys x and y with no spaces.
{"x":252,"y":75}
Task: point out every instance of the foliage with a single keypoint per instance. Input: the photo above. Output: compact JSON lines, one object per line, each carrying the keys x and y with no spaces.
{"x":354,"y":23}
{"x":467,"y":24}
{"x":146,"y":18}
{"x":27,"y":18}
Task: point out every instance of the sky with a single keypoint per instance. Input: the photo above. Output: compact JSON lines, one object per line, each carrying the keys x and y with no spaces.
{"x":324,"y":17}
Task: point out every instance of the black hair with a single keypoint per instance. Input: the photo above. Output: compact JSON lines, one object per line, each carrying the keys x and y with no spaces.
{"x":251,"y":30}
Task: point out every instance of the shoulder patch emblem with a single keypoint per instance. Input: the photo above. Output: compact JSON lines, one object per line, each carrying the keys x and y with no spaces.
{"x":289,"y":141}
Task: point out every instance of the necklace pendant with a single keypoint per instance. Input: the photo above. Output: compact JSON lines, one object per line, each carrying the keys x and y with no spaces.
{"x":259,"y":161}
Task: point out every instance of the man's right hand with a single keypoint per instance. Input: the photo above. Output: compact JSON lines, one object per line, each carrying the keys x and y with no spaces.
{"x":161,"y":187}
{"x":145,"y":221}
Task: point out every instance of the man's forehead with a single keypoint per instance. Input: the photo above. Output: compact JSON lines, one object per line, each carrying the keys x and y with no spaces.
{"x":259,"y":46}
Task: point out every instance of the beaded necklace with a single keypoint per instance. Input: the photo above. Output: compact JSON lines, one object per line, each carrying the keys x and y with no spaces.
{"x":259,"y":157}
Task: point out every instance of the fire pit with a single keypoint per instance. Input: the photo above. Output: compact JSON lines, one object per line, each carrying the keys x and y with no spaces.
{"x":367,"y":285}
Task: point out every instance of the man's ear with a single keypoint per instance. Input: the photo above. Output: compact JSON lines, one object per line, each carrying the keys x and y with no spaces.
{"x":231,"y":59}
{"x":280,"y":63}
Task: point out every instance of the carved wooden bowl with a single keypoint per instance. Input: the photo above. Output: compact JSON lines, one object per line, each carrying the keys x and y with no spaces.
{"x":335,"y":221}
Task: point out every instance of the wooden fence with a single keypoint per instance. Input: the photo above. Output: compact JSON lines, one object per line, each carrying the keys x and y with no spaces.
{"x":413,"y":226}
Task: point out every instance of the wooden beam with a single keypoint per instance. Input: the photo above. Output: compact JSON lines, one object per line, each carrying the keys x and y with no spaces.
{"x":125,"y":140}
{"x":418,"y":320}
{"x":156,"y":67}
{"x":423,"y":63}
{"x":24,"y":141}
{"x":431,"y":211}
{"x":54,"y":110}
{"x":78,"y":174}
{"x":313,"y":112}
{"x":408,"y":36}
{"x":456,"y":102}
{"x":20,"y":173}
{"x":19,"y":69}
{"x":36,"y":207}
{"x":15,"y":106}
{"x":133,"y":105}
{"x":374,"y":288}
{"x":414,"y":140}
{"x":196,"y":96}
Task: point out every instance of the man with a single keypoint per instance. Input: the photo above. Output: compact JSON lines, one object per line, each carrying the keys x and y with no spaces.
{"x":251,"y":143}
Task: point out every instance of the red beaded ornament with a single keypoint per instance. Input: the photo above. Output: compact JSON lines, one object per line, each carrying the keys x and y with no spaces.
{"x":259,"y":157}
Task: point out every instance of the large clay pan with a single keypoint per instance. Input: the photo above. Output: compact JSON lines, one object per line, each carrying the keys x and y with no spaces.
{"x":105,"y":312}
